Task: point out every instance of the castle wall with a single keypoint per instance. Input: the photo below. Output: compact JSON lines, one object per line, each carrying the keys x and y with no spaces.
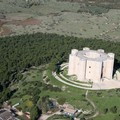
{"x":71,"y":65}
{"x":108,"y":72}
{"x":76,"y":62}
{"x":104,"y":68}
{"x":81,"y":69}
{"x":93,"y":70}
{"x":73,"y":62}
{"x":109,"y":68}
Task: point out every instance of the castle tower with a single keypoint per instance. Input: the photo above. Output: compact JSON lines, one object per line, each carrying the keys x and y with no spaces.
{"x":72,"y":62}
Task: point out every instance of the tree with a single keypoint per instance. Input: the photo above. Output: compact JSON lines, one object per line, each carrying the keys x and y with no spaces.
{"x":113,"y":109}
{"x":53,"y":65}
{"x":41,"y":48}
{"x":34,"y":114}
{"x":106,"y":110}
{"x":61,"y":100}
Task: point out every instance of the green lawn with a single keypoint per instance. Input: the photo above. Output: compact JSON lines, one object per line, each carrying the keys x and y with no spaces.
{"x":102,"y":99}
{"x":26,"y":87}
{"x":65,"y":72}
{"x":106,"y":100}
{"x":108,"y":116}
{"x":74,"y":96}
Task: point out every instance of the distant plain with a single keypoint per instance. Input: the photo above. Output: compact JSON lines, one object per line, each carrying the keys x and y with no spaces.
{"x":64,"y":18}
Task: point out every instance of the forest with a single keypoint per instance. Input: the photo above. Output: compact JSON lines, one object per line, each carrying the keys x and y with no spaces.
{"x":17,"y":53}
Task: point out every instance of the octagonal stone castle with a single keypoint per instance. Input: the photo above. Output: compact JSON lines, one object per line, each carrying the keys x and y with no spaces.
{"x":91,"y":65}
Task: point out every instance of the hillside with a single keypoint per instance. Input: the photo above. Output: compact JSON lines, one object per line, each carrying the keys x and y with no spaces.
{"x":112,"y":4}
{"x":80,"y":19}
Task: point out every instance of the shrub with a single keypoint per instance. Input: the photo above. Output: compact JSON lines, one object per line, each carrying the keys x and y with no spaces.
{"x":61,"y":100}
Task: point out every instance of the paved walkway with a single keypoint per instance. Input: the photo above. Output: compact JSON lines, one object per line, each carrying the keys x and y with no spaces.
{"x":78,"y":83}
{"x":70,"y":84}
{"x":102,"y":85}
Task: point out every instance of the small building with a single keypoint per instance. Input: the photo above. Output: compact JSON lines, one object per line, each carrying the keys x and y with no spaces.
{"x":6,"y":115}
{"x":69,"y":112}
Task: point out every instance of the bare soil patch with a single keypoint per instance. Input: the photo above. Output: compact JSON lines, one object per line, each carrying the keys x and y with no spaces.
{"x":5,"y":31}
{"x":24,"y":23}
{"x":1,"y":23}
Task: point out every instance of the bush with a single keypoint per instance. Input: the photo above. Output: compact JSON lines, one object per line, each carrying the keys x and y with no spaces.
{"x":61,"y":100}
{"x":113,"y":109}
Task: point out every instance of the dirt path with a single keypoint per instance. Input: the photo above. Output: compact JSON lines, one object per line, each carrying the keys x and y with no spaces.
{"x":45,"y":117}
{"x":96,"y":112}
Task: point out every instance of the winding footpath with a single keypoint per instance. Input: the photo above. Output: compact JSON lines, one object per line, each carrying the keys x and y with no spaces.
{"x":77,"y":83}
{"x":96,"y":112}
{"x":100,"y":85}
{"x":67,"y":83}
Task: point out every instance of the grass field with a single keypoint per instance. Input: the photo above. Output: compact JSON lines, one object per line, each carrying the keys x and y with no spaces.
{"x":103,"y":100}
{"x":106,"y":100}
{"x":77,"y":100}
{"x":74,"y":96}
{"x":26,"y":86}
{"x":33,"y":77}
